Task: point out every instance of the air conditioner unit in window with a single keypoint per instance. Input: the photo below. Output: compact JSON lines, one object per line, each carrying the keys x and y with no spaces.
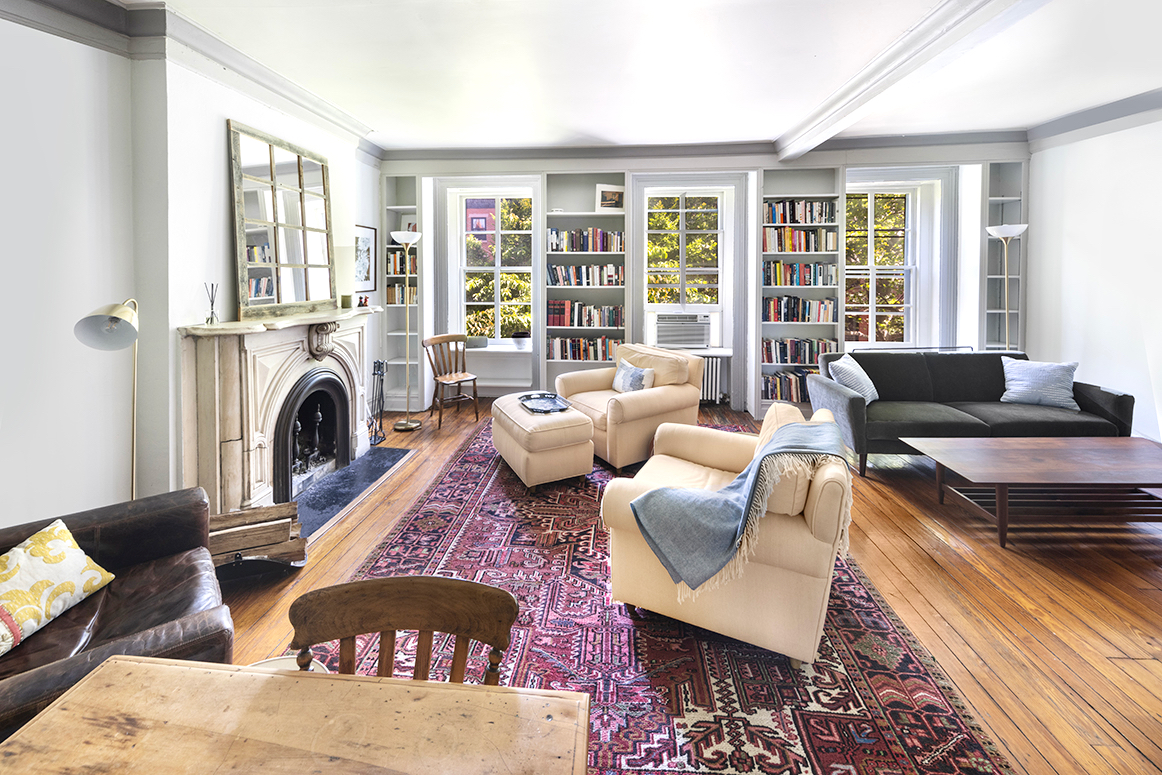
{"x":683,"y":331}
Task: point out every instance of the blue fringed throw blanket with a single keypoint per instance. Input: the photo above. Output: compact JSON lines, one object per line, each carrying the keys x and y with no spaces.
{"x":698,"y":533}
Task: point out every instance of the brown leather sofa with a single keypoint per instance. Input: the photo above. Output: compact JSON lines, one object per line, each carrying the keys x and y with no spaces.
{"x":165,"y":601}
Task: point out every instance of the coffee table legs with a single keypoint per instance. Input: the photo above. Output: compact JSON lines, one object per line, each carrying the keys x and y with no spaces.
{"x":1002,"y":512}
{"x":940,"y":483}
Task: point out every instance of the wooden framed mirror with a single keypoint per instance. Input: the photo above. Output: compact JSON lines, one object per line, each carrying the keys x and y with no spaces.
{"x":282,"y":226}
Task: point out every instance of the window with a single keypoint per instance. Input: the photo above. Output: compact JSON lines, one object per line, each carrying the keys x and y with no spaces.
{"x":880,"y":269}
{"x":684,"y":235}
{"x":497,"y":264}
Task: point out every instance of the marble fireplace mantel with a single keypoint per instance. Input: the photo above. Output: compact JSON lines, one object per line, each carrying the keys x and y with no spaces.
{"x":235,"y":379}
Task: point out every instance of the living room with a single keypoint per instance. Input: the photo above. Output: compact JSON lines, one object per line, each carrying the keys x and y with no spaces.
{"x":117,"y":132}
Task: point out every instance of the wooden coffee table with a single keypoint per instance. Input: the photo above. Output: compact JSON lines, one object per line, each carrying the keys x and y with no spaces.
{"x":1086,"y":479}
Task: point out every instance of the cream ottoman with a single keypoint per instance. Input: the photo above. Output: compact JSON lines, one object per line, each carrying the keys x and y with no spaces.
{"x":542,"y":447}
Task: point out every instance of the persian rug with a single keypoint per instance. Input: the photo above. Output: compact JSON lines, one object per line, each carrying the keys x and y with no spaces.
{"x":667,"y":697}
{"x":331,"y":495}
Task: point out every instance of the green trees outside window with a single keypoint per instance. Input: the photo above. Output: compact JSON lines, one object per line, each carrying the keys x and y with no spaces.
{"x":878,"y":270}
{"x":498,"y":294}
{"x":683,"y":249}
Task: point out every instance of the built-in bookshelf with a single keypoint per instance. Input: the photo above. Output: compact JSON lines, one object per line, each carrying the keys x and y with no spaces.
{"x":406,"y":312}
{"x":799,"y":306}
{"x":585,"y":277}
{"x":1004,"y":203}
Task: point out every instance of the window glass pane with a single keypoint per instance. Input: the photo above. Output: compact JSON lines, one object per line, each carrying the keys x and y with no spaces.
{"x":480,"y":321}
{"x":479,"y":215}
{"x":290,"y":207}
{"x":889,"y":250}
{"x":889,"y":290}
{"x":316,"y":208}
{"x":701,"y":203}
{"x":702,"y":220}
{"x":513,"y":318}
{"x":890,"y":211}
{"x":857,"y":291}
{"x":856,"y":249}
{"x":701,"y":251}
{"x":516,"y":214}
{"x":479,"y":287}
{"x":662,"y":203}
{"x":662,"y":296}
{"x":889,"y":328}
{"x":317,"y":247}
{"x":856,"y":213}
{"x":480,"y":249}
{"x":286,"y":167}
{"x":662,"y":221}
{"x":516,"y":286}
{"x":696,"y":295}
{"x":516,"y":249}
{"x":318,"y":283}
{"x":855,"y":328}
{"x":662,"y":251}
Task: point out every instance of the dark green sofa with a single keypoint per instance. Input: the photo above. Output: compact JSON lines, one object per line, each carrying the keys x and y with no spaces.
{"x":952,"y":394}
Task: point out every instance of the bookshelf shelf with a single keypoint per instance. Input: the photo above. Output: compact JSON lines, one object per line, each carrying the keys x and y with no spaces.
{"x":1003,"y":202}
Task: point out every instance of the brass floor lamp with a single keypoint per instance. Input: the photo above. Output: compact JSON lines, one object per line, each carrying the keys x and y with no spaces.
{"x":114,"y":327}
{"x":1005,"y":232}
{"x":407,"y":239}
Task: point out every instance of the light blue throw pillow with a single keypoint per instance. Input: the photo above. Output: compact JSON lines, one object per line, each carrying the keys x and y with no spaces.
{"x":1040,"y":383}
{"x":847,"y":372}
{"x":629,"y":378}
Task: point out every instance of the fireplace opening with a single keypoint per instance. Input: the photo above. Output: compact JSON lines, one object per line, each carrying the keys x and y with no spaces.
{"x":310,"y":436}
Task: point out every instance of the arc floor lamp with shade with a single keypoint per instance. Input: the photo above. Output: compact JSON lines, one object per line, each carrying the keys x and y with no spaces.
{"x":407,"y":239}
{"x":114,"y":327}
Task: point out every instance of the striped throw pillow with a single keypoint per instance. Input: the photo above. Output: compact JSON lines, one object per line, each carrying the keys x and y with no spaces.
{"x":1040,"y":383}
{"x":847,"y":372}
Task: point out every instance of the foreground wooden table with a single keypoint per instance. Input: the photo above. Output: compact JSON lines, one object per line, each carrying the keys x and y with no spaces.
{"x":144,"y":715}
{"x":1080,"y":479}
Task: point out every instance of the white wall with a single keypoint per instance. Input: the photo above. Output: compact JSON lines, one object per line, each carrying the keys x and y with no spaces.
{"x":1095,"y":269}
{"x":66,"y":215}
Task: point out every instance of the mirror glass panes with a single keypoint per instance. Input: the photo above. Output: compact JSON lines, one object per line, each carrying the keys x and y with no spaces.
{"x":282,"y":214}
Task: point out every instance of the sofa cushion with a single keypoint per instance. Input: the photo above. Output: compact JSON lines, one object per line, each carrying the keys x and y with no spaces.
{"x":595,"y":404}
{"x":966,"y":376}
{"x":897,"y":376}
{"x":893,"y":419}
{"x":142,"y":596}
{"x":1033,"y":420}
{"x":669,"y":368}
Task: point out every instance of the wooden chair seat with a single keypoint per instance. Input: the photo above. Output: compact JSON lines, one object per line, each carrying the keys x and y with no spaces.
{"x":446,"y":355}
{"x":428,"y":604}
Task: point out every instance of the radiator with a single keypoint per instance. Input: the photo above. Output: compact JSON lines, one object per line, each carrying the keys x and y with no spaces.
{"x":712,"y":375}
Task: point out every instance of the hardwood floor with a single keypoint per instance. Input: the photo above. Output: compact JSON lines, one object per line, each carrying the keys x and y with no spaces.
{"x":1054,"y":642}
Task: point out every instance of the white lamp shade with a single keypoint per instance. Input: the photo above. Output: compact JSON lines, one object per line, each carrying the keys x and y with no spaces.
{"x":112,"y":327}
{"x":406,"y":237}
{"x":1007,"y":230}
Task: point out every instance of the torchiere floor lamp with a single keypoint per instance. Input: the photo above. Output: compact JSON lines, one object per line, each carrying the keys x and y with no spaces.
{"x":407,"y":239}
{"x":1004,"y":233}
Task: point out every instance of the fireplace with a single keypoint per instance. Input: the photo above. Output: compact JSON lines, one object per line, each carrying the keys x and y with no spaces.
{"x":247,"y":385}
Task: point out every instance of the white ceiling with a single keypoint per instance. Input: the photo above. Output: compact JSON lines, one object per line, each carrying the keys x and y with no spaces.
{"x":558,"y":73}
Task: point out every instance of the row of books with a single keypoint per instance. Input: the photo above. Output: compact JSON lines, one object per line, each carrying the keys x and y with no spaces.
{"x":593,"y":240}
{"x":399,"y":293}
{"x":259,"y":254}
{"x":790,"y":385}
{"x":809,"y":211}
{"x":601,"y":348}
{"x":566,"y":312}
{"x":788,"y":239}
{"x":396,"y":264}
{"x":785,"y":273}
{"x":586,"y":274}
{"x":261,"y":287}
{"x":794,"y":309}
{"x":795,"y":350}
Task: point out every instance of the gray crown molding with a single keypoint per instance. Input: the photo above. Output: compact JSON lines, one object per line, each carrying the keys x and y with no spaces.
{"x":1103,"y":119}
{"x":761,"y":148}
{"x":910,"y":141}
{"x":941,"y":28}
{"x":143,"y":32}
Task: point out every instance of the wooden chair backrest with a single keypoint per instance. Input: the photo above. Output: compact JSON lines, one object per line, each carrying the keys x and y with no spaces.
{"x":446,"y":353}
{"x":429,"y":604}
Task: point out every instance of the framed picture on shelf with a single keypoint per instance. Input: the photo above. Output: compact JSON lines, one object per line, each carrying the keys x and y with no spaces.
{"x":366,"y":258}
{"x":610,"y":199}
{"x":407,"y":222}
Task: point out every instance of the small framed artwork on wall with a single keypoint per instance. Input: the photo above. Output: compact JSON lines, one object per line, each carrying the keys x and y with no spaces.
{"x":366,"y":258}
{"x":610,"y":199}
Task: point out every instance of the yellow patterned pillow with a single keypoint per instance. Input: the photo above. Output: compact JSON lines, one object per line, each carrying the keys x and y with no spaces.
{"x":42,"y":578}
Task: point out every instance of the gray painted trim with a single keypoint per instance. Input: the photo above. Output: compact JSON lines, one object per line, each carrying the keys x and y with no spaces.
{"x":103,"y":14}
{"x":47,"y":18}
{"x":910,"y":141}
{"x":1083,"y":119}
{"x":580,"y":152}
{"x":941,"y":27}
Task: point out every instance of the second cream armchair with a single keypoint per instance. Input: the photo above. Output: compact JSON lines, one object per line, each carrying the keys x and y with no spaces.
{"x":624,"y":423}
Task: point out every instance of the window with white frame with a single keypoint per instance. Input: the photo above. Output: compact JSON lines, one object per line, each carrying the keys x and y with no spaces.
{"x":684,"y":245}
{"x":880,"y":269}
{"x":496,"y":263}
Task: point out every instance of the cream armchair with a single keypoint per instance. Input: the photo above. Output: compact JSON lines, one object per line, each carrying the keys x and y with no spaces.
{"x":779,"y":601}
{"x":624,"y":423}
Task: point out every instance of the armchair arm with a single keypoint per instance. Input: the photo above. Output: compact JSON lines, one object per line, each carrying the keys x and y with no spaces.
{"x":705,"y":446}
{"x":626,"y":407}
{"x":615,"y":511}
{"x":584,"y":381}
{"x":847,"y":406}
{"x":125,"y":534}
{"x":1116,"y":407}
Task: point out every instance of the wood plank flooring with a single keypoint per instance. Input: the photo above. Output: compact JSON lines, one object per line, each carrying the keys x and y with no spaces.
{"x":1054,"y":642}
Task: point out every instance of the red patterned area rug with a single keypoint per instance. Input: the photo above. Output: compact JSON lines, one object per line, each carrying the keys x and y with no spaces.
{"x":668,"y":697}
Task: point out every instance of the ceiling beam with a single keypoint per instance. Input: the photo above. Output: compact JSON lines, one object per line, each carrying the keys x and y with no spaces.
{"x":946,"y":24}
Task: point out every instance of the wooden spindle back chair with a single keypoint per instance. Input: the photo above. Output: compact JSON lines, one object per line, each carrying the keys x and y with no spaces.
{"x":446,"y":355}
{"x":429,"y":604}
